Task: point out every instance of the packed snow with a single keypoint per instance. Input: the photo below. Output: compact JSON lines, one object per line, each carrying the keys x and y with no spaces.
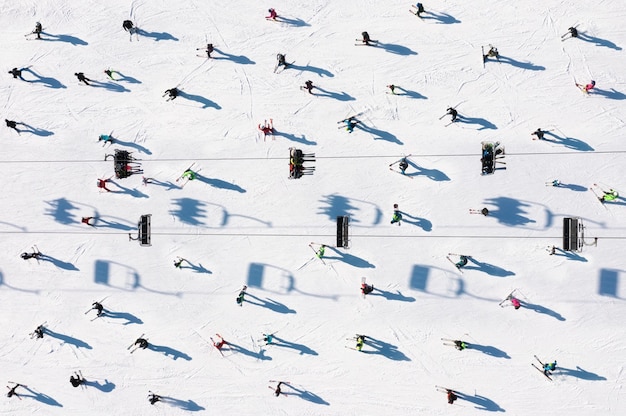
{"x":242,"y":221}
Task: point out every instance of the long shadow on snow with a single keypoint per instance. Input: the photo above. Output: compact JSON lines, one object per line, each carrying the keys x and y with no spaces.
{"x":238,"y":59}
{"x":63,"y":38}
{"x":167,"y":185}
{"x":202,"y":100}
{"x":34,"y":130}
{"x":134,"y":192}
{"x":523,"y":65}
{"x":573,"y":187}
{"x":58,"y":263}
{"x":410,"y":93}
{"x":580,"y":373}
{"x":128,"y":317}
{"x":339,"y":96}
{"x":423,"y":223}
{"x":379,"y":134}
{"x":441,"y":18}
{"x":433,"y":174}
{"x":600,"y":42}
{"x":385,"y":349}
{"x":190,"y":211}
{"x":542,"y":310}
{"x":188,"y":405}
{"x":481,"y":402}
{"x":302,"y":139}
{"x":611,"y":94}
{"x":509,"y":211}
{"x":235,"y":348}
{"x":569,"y":142}
{"x":169,"y":352}
{"x":484,"y":124}
{"x":349,"y":258}
{"x":157,"y":36}
{"x":454,"y":288}
{"x":131,"y":279}
{"x":309,"y":68}
{"x":47,"y":81}
{"x":66,"y":339}
{"x":105,"y":387}
{"x":111,"y":86}
{"x":40,"y":397}
{"x":490,"y":269}
{"x":396,"y":49}
{"x":196,"y":268}
{"x":292,"y":22}
{"x":60,"y":209}
{"x":570,"y":255}
{"x":219,"y":183}
{"x":101,"y":222}
{"x":269,"y":304}
{"x":132,"y":145}
{"x":279,"y":342}
{"x":489,"y":350}
{"x":126,"y":78}
{"x":307,"y":395}
{"x":391,"y":296}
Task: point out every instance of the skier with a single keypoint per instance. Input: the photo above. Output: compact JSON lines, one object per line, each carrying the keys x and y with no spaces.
{"x":273,"y":15}
{"x":268,"y":338}
{"x":453,"y":113}
{"x":178,"y":262}
{"x":76,"y":381}
{"x":539,"y":133}
{"x":608,"y":196}
{"x":366,"y":38}
{"x":277,"y":391}
{"x":12,"y":124}
{"x":492,"y":53}
{"x":548,"y":367}
{"x":16,"y":73}
{"x":483,"y":211}
{"x":106,"y":138}
{"x":462,"y":261}
{"x":209,"y":48}
{"x":98,"y":307}
{"x":515,"y":302}
{"x":392,"y":87}
{"x":109,"y":73}
{"x":360,"y":340}
{"x":397,"y":215}
{"x":173,"y":93}
{"x":89,"y":221}
{"x":189,"y":174}
{"x":320,"y":253}
{"x":242,"y":294}
{"x":34,"y":255}
{"x":403,"y":165}
{"x":308,"y":86}
{"x":128,"y":26}
{"x":551,"y":250}
{"x":281,"y":60}
{"x":141,"y":343}
{"x":39,"y":331}
{"x":366,"y":289}
{"x":420,"y":9}
{"x":555,"y":182}
{"x":267,"y":128}
{"x":460,"y":345}
{"x":38,"y":30}
{"x":586,"y":88}
{"x":451,"y":396}
{"x":81,"y":77}
{"x":153,"y":398}
{"x":572,"y":31}
{"x":12,"y":392}
{"x":350,"y":123}
{"x":220,"y":343}
{"x":102,"y":184}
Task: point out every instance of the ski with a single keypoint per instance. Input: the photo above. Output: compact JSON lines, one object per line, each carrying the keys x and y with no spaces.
{"x":215,"y":344}
{"x":32,"y":334}
{"x":452,"y":261}
{"x":598,"y":197}
{"x":371,"y":40}
{"x":541,"y":371}
{"x":137,"y":347}
{"x":189,"y":168}
{"x":506,"y":299}
{"x":484,"y":56}
{"x":349,"y":117}
{"x":316,"y":254}
{"x":131,"y":345}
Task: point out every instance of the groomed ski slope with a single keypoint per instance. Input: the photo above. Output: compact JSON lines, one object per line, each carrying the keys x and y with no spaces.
{"x":244,"y":222}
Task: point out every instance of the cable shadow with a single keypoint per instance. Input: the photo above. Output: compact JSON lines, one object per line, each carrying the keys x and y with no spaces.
{"x":309,"y":68}
{"x":542,"y":310}
{"x":294,"y":138}
{"x":385,"y":349}
{"x":580,"y":373}
{"x":480,"y":402}
{"x":206,"y":103}
{"x":569,"y":142}
{"x":128,"y":317}
{"x":396,"y":49}
{"x":410,"y":93}
{"x":34,"y":130}
{"x":157,"y":36}
{"x":303,"y":349}
{"x":66,"y":339}
{"x":40,"y":397}
{"x":519,"y":64}
{"x":423,"y":223}
{"x":169,"y":352}
{"x":489,"y":350}
{"x":188,"y":405}
{"x":4,"y":283}
{"x":219,"y":183}
{"x":339,"y":96}
{"x":433,"y":174}
{"x":47,"y":81}
{"x":484,"y":124}
{"x":190,"y":211}
{"x":391,"y":296}
{"x":440,"y":18}
{"x":600,"y":42}
{"x":349,"y":259}
{"x":238,"y":59}
{"x":105,"y":387}
{"x":269,"y":304}
{"x":379,"y":134}
{"x":490,"y":269}
{"x":64,"y":38}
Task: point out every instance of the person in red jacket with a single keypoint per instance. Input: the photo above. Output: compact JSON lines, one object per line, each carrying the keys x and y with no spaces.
{"x":272,"y":15}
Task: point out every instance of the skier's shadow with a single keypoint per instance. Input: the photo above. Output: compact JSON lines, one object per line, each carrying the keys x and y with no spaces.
{"x":542,"y":310}
{"x":105,"y":387}
{"x":302,"y":139}
{"x":58,"y":263}
{"x":100,"y":221}
{"x":385,"y":349}
{"x":63,"y":38}
{"x":292,"y":22}
{"x":306,"y":395}
{"x":128,"y":317}
{"x":40,"y":397}
{"x":580,"y":373}
{"x":238,"y":59}
{"x":379,"y":134}
{"x":396,"y":49}
{"x":410,"y":93}
{"x":206,"y":103}
{"x":600,"y":42}
{"x":269,"y":304}
{"x":197,"y":268}
{"x":169,"y":352}
{"x":610,"y":94}
{"x":484,"y":124}
{"x":126,"y":78}
{"x":157,"y":36}
{"x":481,"y":402}
{"x":111,"y":86}
{"x":319,"y":71}
{"x":489,"y":350}
{"x":349,"y":258}
{"x":279,"y":342}
{"x":573,"y":187}
{"x":569,"y":142}
{"x":570,"y":255}
{"x":219,"y":183}
{"x":188,"y":405}
{"x":441,"y":18}
{"x":522,"y":65}
{"x":34,"y":130}
{"x":167,"y":185}
{"x":235,"y":348}
{"x":132,"y":145}
{"x":47,"y":81}
{"x":134,"y":192}
{"x":490,"y":269}
{"x":339,"y":96}
{"x":66,"y":339}
{"x":433,"y":174}
{"x":391,"y":296}
{"x":423,"y":223}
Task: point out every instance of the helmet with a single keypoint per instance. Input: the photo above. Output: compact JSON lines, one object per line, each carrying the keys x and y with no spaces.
{"x":593,"y":83}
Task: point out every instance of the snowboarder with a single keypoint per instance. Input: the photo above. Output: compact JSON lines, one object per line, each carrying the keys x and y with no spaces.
{"x":98,"y":307}
{"x":539,"y":133}
{"x":179,"y":262}
{"x":366,"y":38}
{"x":153,"y":398}
{"x":392,"y":87}
{"x":277,"y":391}
{"x":360,"y":341}
{"x":106,"y":138}
{"x":241,"y":296}
{"x":141,"y":343}
{"x":351,"y":123}
{"x":451,"y":396}
{"x":12,"y":392}
{"x":81,"y":77}
{"x":189,"y":174}
{"x":420,"y":9}
{"x":102,"y":184}
{"x":483,"y":211}
{"x":91,"y":221}
{"x":128,"y":26}
{"x":16,"y":73}
{"x":39,"y":331}
{"x":280,"y":58}
{"x":308,"y":86}
{"x":38,"y":30}
{"x":397,"y":215}
{"x":219,"y":343}
{"x":548,"y":367}
{"x":586,"y":88}
{"x":209,"y":49}
{"x":12,"y":125}
{"x":492,"y":53}
{"x":273,"y":15}
{"x":267,"y":128}
{"x":460,"y":345}
{"x":76,"y":380}
{"x":366,"y":289}
{"x":453,"y":113}
{"x":172,"y":92}
{"x":403,"y":165}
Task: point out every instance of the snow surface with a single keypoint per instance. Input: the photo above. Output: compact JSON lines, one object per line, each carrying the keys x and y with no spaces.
{"x":244,"y":222}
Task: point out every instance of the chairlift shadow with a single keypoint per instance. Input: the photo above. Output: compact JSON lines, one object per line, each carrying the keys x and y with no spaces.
{"x":189,"y":211}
